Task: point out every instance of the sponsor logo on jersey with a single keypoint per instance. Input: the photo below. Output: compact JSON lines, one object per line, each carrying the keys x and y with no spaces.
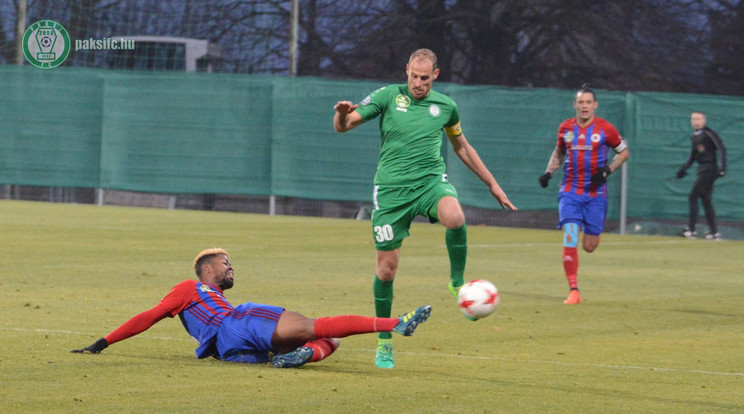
{"x":434,"y":110}
{"x":403,"y":102}
{"x":205,"y":288}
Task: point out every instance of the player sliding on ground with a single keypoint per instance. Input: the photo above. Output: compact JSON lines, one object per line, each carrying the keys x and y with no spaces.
{"x":250,"y":333}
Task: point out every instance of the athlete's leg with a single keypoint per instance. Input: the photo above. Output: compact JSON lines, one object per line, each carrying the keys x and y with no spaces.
{"x":695,"y":193}
{"x":706,"y":197}
{"x":595,"y":211}
{"x":571,"y":216}
{"x":450,"y":214}
{"x":570,"y":253}
{"x":294,"y":332}
{"x":589,"y":242}
{"x":387,"y":266}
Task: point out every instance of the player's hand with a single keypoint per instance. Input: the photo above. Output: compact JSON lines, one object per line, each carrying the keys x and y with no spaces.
{"x":501,"y":197}
{"x":681,"y":173}
{"x":95,"y":348}
{"x":600,"y":177}
{"x":345,"y":107}
{"x":721,"y":173}
{"x":544,"y":179}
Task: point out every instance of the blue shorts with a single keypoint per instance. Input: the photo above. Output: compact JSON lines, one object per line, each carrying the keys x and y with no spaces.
{"x":587,"y":212}
{"x":245,"y":335}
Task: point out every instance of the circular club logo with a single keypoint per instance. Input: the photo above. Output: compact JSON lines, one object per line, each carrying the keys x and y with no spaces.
{"x":402,"y":101}
{"x":46,"y":44}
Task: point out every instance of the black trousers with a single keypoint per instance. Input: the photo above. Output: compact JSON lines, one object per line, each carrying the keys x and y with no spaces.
{"x":703,"y":189}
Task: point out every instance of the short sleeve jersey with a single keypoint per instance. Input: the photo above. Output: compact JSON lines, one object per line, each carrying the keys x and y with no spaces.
{"x":587,"y":150}
{"x":410,"y":133}
{"x":201,"y":308}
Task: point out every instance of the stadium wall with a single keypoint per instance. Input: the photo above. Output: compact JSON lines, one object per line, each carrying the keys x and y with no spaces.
{"x":225,"y":135}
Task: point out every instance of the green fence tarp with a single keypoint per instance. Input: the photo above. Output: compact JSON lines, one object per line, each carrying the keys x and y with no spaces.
{"x":174,"y":132}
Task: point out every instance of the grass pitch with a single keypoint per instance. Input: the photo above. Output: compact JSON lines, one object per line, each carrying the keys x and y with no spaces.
{"x":660,"y":330}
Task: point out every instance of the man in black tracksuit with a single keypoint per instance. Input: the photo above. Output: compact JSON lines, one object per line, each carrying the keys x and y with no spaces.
{"x":705,"y":145}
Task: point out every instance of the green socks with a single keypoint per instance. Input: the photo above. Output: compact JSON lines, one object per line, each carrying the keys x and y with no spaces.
{"x":457,"y":247}
{"x":383,"y":292}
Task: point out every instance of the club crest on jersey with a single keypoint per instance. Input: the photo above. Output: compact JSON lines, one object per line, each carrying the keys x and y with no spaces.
{"x":403,"y":102}
{"x":206,"y":289}
{"x":568,"y":136}
{"x":596,"y":138}
{"x":434,"y":110}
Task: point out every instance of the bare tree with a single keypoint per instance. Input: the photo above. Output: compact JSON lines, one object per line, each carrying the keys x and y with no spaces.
{"x":726,"y":67}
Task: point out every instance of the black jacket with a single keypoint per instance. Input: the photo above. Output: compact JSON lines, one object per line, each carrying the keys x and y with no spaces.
{"x":705,"y":144}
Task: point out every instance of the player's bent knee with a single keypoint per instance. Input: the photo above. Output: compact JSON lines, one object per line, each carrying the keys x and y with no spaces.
{"x":590,"y":246}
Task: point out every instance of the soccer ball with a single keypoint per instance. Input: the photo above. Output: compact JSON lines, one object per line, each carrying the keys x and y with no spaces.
{"x":478,"y":299}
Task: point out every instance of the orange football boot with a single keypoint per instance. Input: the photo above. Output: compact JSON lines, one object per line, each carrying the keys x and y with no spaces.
{"x":573,"y":298}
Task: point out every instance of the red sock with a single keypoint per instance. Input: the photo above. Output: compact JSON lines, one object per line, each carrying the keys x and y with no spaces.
{"x":322,"y":348}
{"x":571,"y":265}
{"x":343,"y":326}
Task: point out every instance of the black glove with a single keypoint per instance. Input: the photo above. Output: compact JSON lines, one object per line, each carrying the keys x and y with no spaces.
{"x":681,"y":173}
{"x":600,"y":177}
{"x":96,"y":348}
{"x":544,"y":179}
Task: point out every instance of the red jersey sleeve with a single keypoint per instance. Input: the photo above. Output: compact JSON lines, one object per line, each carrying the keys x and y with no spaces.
{"x":561,"y":142}
{"x":179,"y":297}
{"x":174,"y":302}
{"x":612,"y":137}
{"x":137,"y":324}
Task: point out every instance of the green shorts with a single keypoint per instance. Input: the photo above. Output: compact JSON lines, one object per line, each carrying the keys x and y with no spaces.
{"x":396,"y":207}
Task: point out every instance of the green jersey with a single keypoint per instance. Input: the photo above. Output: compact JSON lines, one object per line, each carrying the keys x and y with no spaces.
{"x":411,"y":133}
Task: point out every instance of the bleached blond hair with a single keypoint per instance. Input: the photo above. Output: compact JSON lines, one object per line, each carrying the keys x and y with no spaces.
{"x":207,"y":254}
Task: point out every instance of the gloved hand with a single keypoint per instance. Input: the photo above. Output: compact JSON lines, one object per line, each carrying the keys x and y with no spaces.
{"x":681,"y":173}
{"x":96,"y":348}
{"x":721,"y":173}
{"x":600,"y":177}
{"x":544,"y":179}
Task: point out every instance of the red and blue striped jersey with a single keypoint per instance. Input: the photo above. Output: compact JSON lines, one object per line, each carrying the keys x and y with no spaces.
{"x":201,"y":308}
{"x":586,"y":150}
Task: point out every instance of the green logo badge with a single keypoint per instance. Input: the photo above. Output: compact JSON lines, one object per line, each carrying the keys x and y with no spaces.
{"x":46,"y":44}
{"x":402,"y":101}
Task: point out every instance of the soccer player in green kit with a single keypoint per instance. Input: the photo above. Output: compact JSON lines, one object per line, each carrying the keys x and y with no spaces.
{"x":411,"y":177}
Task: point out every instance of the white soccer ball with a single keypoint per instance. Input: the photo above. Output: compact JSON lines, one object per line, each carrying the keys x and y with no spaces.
{"x":478,"y":299}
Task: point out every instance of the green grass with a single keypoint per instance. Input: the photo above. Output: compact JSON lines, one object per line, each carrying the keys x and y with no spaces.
{"x":660,"y":331}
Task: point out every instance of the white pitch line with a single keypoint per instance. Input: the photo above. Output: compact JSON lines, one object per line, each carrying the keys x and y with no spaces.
{"x":558,"y":242}
{"x":429,"y":355}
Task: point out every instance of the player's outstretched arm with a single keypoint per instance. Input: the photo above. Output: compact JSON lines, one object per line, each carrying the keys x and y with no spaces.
{"x":469,"y":156}
{"x":346,"y":118}
{"x":134,"y":326}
